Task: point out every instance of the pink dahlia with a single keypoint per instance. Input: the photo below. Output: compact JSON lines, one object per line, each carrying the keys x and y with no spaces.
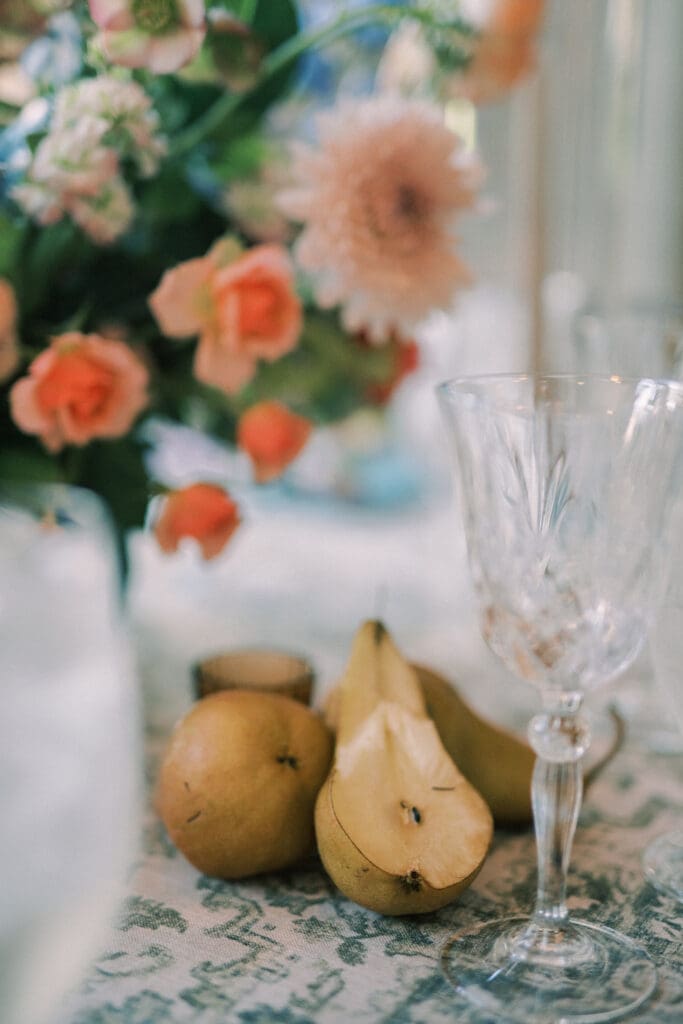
{"x":161,"y":35}
{"x":378,"y":199}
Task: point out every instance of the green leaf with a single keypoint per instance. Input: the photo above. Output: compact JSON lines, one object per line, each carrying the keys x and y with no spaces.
{"x":325,"y":378}
{"x":28,"y":464}
{"x":45,"y":252}
{"x":273,"y":24}
{"x":116,"y":471}
{"x":11,"y":234}
{"x":168,"y":198}
{"x":240,"y":158}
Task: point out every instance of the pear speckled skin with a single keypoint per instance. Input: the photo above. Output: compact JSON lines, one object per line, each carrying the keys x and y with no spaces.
{"x":399,"y":829}
{"x":238,"y":782}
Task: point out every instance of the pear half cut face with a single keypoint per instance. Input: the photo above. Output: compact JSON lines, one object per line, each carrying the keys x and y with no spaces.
{"x":399,"y":828}
{"x":402,"y":801}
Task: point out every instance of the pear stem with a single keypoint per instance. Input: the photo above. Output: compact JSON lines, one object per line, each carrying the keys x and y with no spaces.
{"x":560,"y":739}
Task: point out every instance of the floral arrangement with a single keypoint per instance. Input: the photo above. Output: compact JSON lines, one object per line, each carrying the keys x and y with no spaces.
{"x":168,"y":250}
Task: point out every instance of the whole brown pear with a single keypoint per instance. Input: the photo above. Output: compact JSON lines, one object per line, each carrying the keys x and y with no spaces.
{"x":238,"y":782}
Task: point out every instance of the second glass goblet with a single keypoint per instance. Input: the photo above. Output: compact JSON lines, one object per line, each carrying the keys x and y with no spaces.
{"x":565,"y":485}
{"x":70,"y":766}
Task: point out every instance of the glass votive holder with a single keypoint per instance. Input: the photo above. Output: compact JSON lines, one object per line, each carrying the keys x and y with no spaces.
{"x":263,"y":669}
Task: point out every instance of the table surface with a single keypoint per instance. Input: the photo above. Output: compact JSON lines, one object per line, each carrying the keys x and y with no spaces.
{"x":290,"y":948}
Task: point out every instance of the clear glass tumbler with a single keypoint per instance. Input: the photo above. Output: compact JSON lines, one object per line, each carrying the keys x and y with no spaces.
{"x":69,"y":747}
{"x":637,"y":339}
{"x":566,"y":485}
{"x":663,"y":857}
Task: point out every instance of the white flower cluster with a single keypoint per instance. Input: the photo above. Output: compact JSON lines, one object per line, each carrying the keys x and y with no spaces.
{"x":76,"y":169}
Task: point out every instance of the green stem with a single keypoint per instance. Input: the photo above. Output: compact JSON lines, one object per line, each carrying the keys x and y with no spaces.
{"x":288,"y":52}
{"x":247,"y":11}
{"x":72,"y":464}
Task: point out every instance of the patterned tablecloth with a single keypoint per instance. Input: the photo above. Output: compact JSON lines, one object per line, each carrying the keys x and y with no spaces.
{"x":289,"y":948}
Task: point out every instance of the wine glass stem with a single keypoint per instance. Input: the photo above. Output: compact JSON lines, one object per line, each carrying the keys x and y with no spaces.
{"x":556,"y":795}
{"x":560,"y":740}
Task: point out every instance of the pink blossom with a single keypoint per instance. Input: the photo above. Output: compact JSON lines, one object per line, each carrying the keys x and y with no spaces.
{"x":243,"y":310}
{"x":161,"y":35}
{"x":82,"y":387}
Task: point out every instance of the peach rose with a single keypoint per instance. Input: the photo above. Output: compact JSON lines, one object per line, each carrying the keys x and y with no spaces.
{"x":243,"y":310}
{"x":9,"y":352}
{"x":82,"y":387}
{"x":204,"y":512}
{"x":272,"y":437}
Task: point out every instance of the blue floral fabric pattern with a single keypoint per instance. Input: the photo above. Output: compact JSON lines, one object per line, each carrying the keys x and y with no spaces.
{"x":290,"y":949}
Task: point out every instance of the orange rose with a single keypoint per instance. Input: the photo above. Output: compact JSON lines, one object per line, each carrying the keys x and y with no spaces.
{"x":204,"y":512}
{"x":516,"y":17}
{"x":506,"y":51}
{"x":272,"y":437}
{"x":81,"y":387}
{"x":243,"y":311}
{"x":9,"y":352}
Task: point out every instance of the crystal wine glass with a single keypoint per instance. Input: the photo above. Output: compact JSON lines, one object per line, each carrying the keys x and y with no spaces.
{"x":69,"y":751}
{"x":565,"y":485}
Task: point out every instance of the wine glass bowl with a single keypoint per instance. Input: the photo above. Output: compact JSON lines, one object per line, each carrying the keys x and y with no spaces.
{"x":565,"y":487}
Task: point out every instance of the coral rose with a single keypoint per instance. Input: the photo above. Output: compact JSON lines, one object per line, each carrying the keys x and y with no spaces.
{"x":161,"y":35}
{"x":204,"y":512}
{"x":272,"y":437}
{"x":9,"y":352}
{"x":80,"y":388}
{"x":243,"y":310}
{"x":505,"y":52}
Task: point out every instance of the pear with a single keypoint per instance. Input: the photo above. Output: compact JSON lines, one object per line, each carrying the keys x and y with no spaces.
{"x":497,"y":762}
{"x":494,"y":760}
{"x":238,"y":782}
{"x":399,"y":829}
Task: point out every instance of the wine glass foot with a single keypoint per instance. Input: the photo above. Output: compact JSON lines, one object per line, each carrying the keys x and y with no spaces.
{"x":514,"y":970}
{"x":663,"y":864}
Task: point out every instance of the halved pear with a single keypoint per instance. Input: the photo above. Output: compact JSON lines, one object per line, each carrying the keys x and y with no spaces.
{"x":398,"y":827}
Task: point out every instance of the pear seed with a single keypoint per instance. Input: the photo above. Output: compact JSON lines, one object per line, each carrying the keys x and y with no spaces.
{"x":412,"y":881}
